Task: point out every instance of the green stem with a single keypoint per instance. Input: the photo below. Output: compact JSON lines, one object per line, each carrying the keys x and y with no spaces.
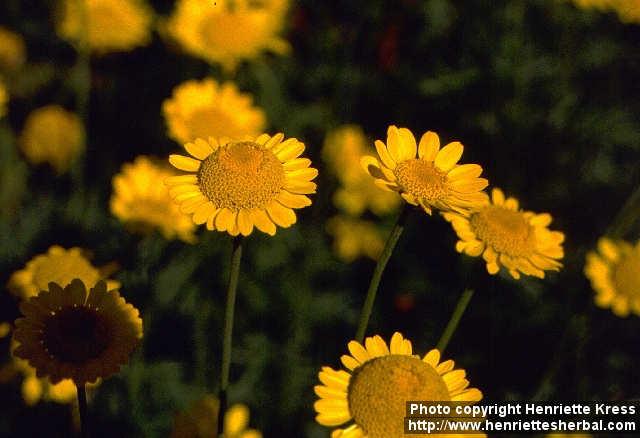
{"x":82,"y":407}
{"x":626,"y":217}
{"x":452,"y":325}
{"x":392,"y":240}
{"x":234,"y":272}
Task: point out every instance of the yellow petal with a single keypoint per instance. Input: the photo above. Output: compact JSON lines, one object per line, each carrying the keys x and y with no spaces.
{"x":262,"y":222}
{"x":449,"y":156}
{"x":358,"y":351}
{"x":281,"y":215}
{"x":245,"y":224}
{"x":384,"y":155}
{"x":184,"y":163}
{"x":199,"y":149}
{"x":292,"y":200}
{"x":465,"y":171}
{"x":224,"y":220}
{"x":429,"y":146}
{"x":408,"y":141}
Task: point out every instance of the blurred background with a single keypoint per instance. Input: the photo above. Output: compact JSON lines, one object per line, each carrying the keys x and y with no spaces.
{"x":542,"y":93}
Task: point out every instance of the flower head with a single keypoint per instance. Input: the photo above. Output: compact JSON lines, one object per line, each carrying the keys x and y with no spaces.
{"x":506,"y":236}
{"x":12,"y":50}
{"x":378,"y":382}
{"x":342,"y":151}
{"x":355,"y":237}
{"x":233,"y":186}
{"x":141,"y":200}
{"x":111,"y":25}
{"x":52,"y":135}
{"x":74,"y":334}
{"x":430,"y":179}
{"x":200,"y":421}
{"x":203,"y":109}
{"x":226,"y":31}
{"x":614,"y":272}
{"x":57,"y":265}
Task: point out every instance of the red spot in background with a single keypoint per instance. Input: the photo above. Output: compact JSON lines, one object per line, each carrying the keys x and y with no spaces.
{"x":404,"y":302}
{"x":388,"y":48}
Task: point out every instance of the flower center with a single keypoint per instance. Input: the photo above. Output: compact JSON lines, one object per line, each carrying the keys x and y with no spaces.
{"x":210,"y":122}
{"x":62,"y":269}
{"x":421,"y":179}
{"x":626,"y":278}
{"x":507,"y":231}
{"x":380,"y":388}
{"x":241,"y":176}
{"x":75,"y":335}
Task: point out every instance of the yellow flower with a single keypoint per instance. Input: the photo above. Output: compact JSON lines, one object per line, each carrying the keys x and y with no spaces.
{"x":433,"y":179}
{"x":354,"y":238}
{"x":52,"y":135}
{"x":12,"y":50}
{"x":233,"y":186}
{"x":228,"y":31}
{"x":110,"y":25}
{"x":74,"y":334}
{"x":614,"y":272}
{"x":203,"y":109}
{"x":506,"y":236}
{"x":342,"y":151}
{"x":380,"y":379}
{"x":4,"y":98}
{"x":58,"y":265}
{"x":201,"y":421}
{"x":628,"y":10}
{"x":141,"y":200}
{"x":35,"y":389}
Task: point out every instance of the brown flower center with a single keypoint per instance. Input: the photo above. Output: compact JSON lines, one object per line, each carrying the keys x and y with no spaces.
{"x":76,"y":335}
{"x":626,"y":276}
{"x":507,"y":231}
{"x":422,"y":179}
{"x":241,"y":176}
{"x":380,"y":388}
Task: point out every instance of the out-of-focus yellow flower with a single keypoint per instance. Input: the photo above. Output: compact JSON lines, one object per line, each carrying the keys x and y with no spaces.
{"x":4,"y":98}
{"x":203,"y":109}
{"x":200,"y":420}
{"x":52,"y":135}
{"x":506,"y":236}
{"x":110,"y":25}
{"x":343,"y":148}
{"x":614,"y":272}
{"x":354,"y":238}
{"x":628,"y":10}
{"x":141,"y":200}
{"x":58,"y":265}
{"x":228,"y":31}
{"x":12,"y":50}
{"x":34,"y":389}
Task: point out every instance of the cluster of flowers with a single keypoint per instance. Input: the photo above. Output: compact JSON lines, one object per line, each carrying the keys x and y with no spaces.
{"x":235,"y":178}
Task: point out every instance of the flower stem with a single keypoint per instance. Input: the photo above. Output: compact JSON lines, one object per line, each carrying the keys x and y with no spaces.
{"x":392,"y":240}
{"x":626,"y":217}
{"x":236,"y":255}
{"x":452,"y":325}
{"x":82,"y":407}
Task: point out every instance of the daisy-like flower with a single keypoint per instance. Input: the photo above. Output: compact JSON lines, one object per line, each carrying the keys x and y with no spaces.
{"x":12,"y":50}
{"x":203,"y":109}
{"x":354,"y":238}
{"x":111,"y":25}
{"x":228,"y":31}
{"x":506,"y":236}
{"x":52,"y":135}
{"x":233,"y":186}
{"x":141,"y":200}
{"x":57,"y":265}
{"x":380,"y":380}
{"x":342,"y":150}
{"x":201,"y":418}
{"x":74,"y":334}
{"x":614,"y":272}
{"x":430,"y":179}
